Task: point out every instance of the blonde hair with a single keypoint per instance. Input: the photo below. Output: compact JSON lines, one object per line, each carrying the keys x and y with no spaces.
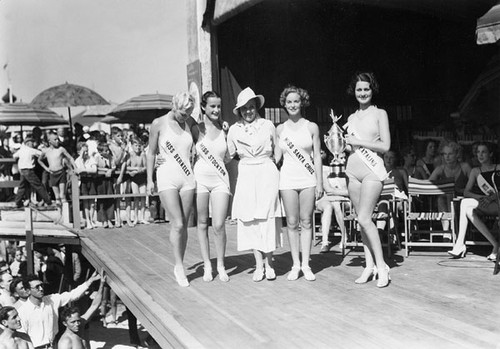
{"x":182,"y":101}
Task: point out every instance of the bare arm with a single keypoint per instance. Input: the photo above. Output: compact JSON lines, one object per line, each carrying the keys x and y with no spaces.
{"x":318,"y":163}
{"x":151,"y":155}
{"x":278,"y":153}
{"x":470,"y":183}
{"x":231,"y":146}
{"x":96,"y":302}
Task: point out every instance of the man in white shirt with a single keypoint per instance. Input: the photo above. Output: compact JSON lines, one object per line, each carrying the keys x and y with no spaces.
{"x":26,"y":164}
{"x":39,"y":314}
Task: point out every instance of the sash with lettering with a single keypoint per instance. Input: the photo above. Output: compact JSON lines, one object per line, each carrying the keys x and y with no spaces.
{"x":488,"y":185}
{"x":371,"y":159}
{"x":219,"y":167}
{"x":185,"y":166}
{"x":299,"y":155}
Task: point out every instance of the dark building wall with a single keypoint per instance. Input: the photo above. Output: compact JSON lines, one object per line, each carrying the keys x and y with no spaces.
{"x":420,"y":60}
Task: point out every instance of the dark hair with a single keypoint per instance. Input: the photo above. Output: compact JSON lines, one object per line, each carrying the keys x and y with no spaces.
{"x":116,"y":130}
{"x":101,"y":146}
{"x":80,"y":145}
{"x":206,"y":96}
{"x":4,"y":312}
{"x":366,"y":77}
{"x":31,"y":277}
{"x":67,"y":311}
{"x":13,"y":284}
{"x":304,"y":95}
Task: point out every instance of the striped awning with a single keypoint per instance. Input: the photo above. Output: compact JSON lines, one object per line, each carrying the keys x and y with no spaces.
{"x":488,"y":26}
{"x":24,"y":114}
{"x":225,"y":9}
{"x":143,"y":108}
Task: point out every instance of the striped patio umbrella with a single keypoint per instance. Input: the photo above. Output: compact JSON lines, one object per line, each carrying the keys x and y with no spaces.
{"x":144,"y":108}
{"x":25,"y":114}
{"x":488,"y":26}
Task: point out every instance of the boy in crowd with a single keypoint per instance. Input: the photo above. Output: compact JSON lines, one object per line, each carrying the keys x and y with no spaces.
{"x":57,"y":158}
{"x":75,"y":336}
{"x":118,"y":148}
{"x":26,"y":155}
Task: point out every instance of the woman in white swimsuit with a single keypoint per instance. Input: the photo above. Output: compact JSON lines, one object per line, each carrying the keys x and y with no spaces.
{"x":301,"y":178}
{"x":367,"y":136}
{"x":171,"y":139}
{"x":212,"y":182}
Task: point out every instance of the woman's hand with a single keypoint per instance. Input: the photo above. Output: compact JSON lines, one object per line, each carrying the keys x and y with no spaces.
{"x":150,"y":188}
{"x":352,"y":140}
{"x":319,"y":191}
{"x":160,"y":160}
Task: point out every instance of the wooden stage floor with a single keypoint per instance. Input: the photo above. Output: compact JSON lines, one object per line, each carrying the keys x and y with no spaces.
{"x":432,"y":302}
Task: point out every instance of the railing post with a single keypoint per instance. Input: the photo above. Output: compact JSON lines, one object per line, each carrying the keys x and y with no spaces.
{"x":28,"y":215}
{"x":75,"y":200}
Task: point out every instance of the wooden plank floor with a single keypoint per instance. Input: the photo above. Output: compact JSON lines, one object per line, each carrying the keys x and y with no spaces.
{"x":432,"y":302}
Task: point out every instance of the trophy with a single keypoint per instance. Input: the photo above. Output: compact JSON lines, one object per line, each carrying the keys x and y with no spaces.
{"x":335,"y":142}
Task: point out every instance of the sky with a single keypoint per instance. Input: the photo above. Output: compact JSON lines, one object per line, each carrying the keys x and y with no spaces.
{"x":118,"y":48}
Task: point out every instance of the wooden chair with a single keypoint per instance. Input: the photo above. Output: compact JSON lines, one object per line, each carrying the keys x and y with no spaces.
{"x":414,"y":215}
{"x":352,"y":237}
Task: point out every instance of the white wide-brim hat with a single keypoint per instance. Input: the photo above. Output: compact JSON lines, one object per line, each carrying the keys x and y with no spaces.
{"x":246,"y":95}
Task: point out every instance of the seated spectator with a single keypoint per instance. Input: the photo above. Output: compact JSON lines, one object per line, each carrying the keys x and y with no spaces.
{"x":431,"y":159}
{"x":410,"y":164}
{"x":335,"y":192}
{"x":451,"y":169}
{"x":480,"y":199}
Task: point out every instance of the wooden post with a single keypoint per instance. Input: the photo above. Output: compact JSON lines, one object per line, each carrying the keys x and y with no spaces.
{"x":28,"y":214}
{"x":75,"y":200}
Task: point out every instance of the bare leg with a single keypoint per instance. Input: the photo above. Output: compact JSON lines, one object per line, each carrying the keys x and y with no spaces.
{"x":202,"y":200}
{"x":178,"y":206}
{"x":306,"y":208}
{"x":291,"y":203}
{"x":369,"y":191}
{"x":220,"y":203}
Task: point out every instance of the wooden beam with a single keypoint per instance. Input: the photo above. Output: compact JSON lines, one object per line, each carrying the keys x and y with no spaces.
{"x":29,"y":238}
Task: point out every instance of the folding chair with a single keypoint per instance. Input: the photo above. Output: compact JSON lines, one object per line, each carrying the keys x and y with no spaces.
{"x":414,"y":215}
{"x":353,"y":239}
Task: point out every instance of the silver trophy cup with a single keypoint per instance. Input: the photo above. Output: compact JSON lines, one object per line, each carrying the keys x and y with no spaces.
{"x":335,"y":142}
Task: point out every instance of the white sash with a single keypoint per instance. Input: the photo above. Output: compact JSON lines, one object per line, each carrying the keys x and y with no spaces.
{"x":220,"y":169}
{"x":169,"y":149}
{"x":297,"y":153}
{"x":371,"y":159}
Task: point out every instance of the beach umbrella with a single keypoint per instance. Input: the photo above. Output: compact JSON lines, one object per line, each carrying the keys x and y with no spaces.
{"x":92,"y":114}
{"x":24,"y":114}
{"x":144,"y":108}
{"x":67,"y":95}
{"x":488,"y":26}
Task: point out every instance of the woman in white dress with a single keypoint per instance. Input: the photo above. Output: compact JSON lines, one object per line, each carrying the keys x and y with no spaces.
{"x":256,"y":204}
